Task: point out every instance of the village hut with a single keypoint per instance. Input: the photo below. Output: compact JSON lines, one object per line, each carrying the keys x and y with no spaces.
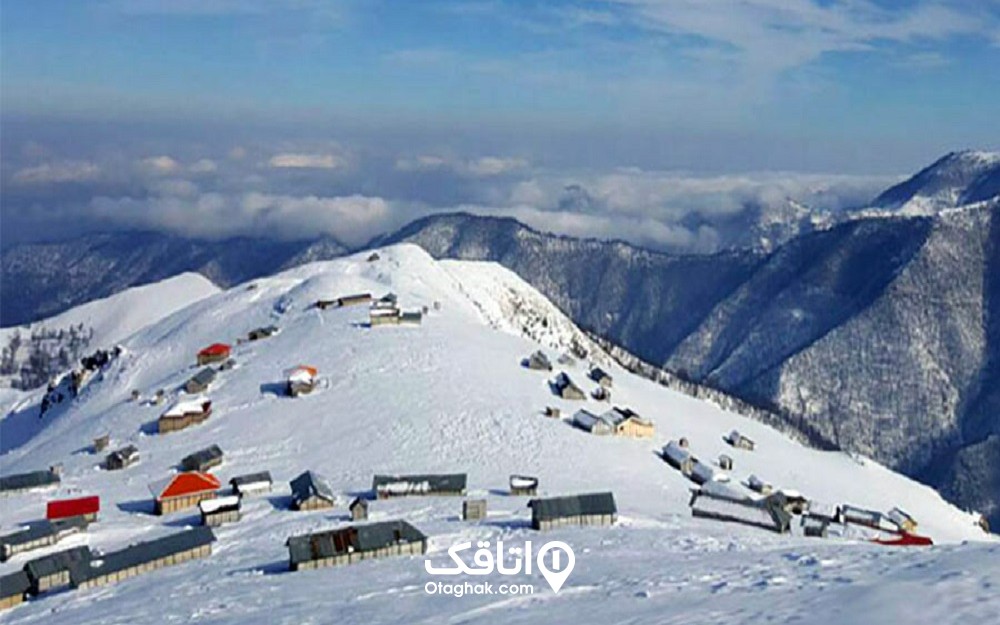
{"x":739,"y":441}
{"x":538,"y":361}
{"x":702,"y":472}
{"x":566,"y":389}
{"x":381,"y":314}
{"x":183,"y":490}
{"x":552,"y":412}
{"x":678,"y":457}
{"x":615,"y":422}
{"x":815,"y":526}
{"x":725,"y":462}
{"x":521,"y":485}
{"x":215,"y":512}
{"x":262,"y":333}
{"x":754,"y":483}
{"x":902,"y":520}
{"x":684,"y":443}
{"x":323,"y":304}
{"x":33,"y":480}
{"x":101,"y":443}
{"x":355,"y":543}
{"x":251,"y":484}
{"x":200,"y":381}
{"x":601,"y":394}
{"x":386,"y":486}
{"x":359,"y":509}
{"x":13,"y":589}
{"x":311,"y":491}
{"x":301,"y":380}
{"x":373,"y":257}
{"x":203,"y":459}
{"x":184,"y":414}
{"x":216,"y":352}
{"x":601,"y":377}
{"x":144,"y":557}
{"x":83,"y":507}
{"x":124,"y":457}
{"x":38,"y":535}
{"x":860,"y":516}
{"x":588,"y":509}
{"x":57,"y":570}
{"x":716,"y":503}
{"x":411,"y":317}
{"x":473,"y":509}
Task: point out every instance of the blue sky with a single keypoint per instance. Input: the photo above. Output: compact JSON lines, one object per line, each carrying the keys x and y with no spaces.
{"x":858,"y":87}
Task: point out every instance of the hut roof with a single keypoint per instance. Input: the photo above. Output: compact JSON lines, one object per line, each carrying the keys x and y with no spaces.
{"x":251,"y":478}
{"x":229,"y":502}
{"x":200,"y":457}
{"x":186,"y":483}
{"x":71,"y":560}
{"x":16,"y":583}
{"x":216,"y":349}
{"x":204,"y":377}
{"x":33,"y":479}
{"x":573,"y":505}
{"x":405,"y":484}
{"x":125,"y":452}
{"x":310,"y":484}
{"x":675,"y":453}
{"x":302,"y":373}
{"x":367,"y":537}
{"x":188,"y":406}
{"x":65,"y":508}
{"x":144,"y":552}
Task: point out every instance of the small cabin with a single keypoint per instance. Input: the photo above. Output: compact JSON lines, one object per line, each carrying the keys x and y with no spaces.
{"x":101,"y":443}
{"x":725,"y":462}
{"x":754,"y":483}
{"x":301,"y":380}
{"x":251,"y":484}
{"x":521,"y":485}
{"x":902,"y":520}
{"x":262,"y":333}
{"x":33,"y":480}
{"x":601,"y":377}
{"x":13,"y":589}
{"x":702,"y":472}
{"x":203,"y":459}
{"x":216,"y":352}
{"x":615,"y":422}
{"x":451,"y":484}
{"x":589,"y":509}
{"x":815,"y":526}
{"x":53,"y":572}
{"x":739,"y":441}
{"x":354,"y":300}
{"x":678,"y":457}
{"x":144,"y":557}
{"x":355,"y":543}
{"x":311,"y":491}
{"x":215,"y":512}
{"x":184,"y":414}
{"x":183,"y":490}
{"x":601,"y":394}
{"x":715,"y":503}
{"x":82,"y":507}
{"x":566,"y":389}
{"x":684,"y":443}
{"x":39,"y":535}
{"x":200,"y":381}
{"x":373,"y":257}
{"x":122,"y":458}
{"x":552,"y":412}
{"x":860,"y":516}
{"x":473,"y":509}
{"x":538,"y":361}
{"x":411,"y":317}
{"x":359,"y":509}
{"x":383,"y":315}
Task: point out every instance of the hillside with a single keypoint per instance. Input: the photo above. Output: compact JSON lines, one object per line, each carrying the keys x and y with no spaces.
{"x":450,"y":395}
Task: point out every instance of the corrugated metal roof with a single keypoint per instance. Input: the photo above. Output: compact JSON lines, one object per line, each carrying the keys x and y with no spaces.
{"x":204,"y":377}
{"x":68,"y":560}
{"x":354,"y":538}
{"x":251,"y":478}
{"x":34,"y":479}
{"x":309,"y":484}
{"x":447,"y":482}
{"x":16,"y":583}
{"x":573,"y":505}
{"x":196,"y":460}
{"x":144,"y":552}
{"x":43,"y":529}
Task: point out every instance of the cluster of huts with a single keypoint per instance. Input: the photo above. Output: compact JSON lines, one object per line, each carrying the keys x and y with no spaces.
{"x":619,"y":421}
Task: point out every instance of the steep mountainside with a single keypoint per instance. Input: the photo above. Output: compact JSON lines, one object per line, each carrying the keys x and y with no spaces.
{"x":43,"y":279}
{"x":450,"y":395}
{"x":956,"y":179}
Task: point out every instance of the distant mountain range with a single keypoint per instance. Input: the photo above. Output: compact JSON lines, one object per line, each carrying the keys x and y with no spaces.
{"x":879,"y":333}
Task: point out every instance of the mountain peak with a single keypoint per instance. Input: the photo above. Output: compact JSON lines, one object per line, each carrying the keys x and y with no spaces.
{"x":956,"y":179}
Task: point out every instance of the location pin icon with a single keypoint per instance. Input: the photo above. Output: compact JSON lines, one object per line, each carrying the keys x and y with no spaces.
{"x":556,"y":576}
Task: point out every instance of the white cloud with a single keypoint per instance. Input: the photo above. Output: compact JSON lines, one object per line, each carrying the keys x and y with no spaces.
{"x":203,"y":166}
{"x":58,"y":172}
{"x":291,"y":160}
{"x":482,"y":167}
{"x":159,"y":165}
{"x":495,"y":166}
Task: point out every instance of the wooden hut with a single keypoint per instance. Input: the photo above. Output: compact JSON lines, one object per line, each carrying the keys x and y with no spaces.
{"x":184,"y":414}
{"x":756,"y":484}
{"x":355,"y":543}
{"x":203,"y":459}
{"x":601,"y":377}
{"x":183,"y":490}
{"x":311,"y":491}
{"x":521,"y":485}
{"x":39,"y":535}
{"x":354,"y":300}
{"x":566,"y":389}
{"x":251,"y":484}
{"x":588,"y":509}
{"x":57,"y":570}
{"x":359,"y":509}
{"x":122,"y":458}
{"x":601,"y":394}
{"x":739,"y":441}
{"x":13,"y":589}
{"x":538,"y":361}
{"x":678,"y":457}
{"x":33,"y":480}
{"x":262,"y":333}
{"x":144,"y":557}
{"x":474,"y":509}
{"x":714,"y":503}
{"x":552,"y":412}
{"x":200,"y":381}
{"x":411,"y":317}
{"x":83,"y":507}
{"x":301,"y":380}
{"x":902,"y":520}
{"x":860,"y":516}
{"x":215,"y":512}
{"x":101,"y":443}
{"x":725,"y":462}
{"x":383,"y":315}
{"x":386,"y":486}
{"x":216,"y":352}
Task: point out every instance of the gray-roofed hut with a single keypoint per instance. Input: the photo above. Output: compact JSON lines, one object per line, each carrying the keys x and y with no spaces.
{"x":567,"y":389}
{"x":587,"y":509}
{"x":385,"y":486}
{"x":355,"y":543}
{"x":203,"y":459}
{"x":311,"y":491}
{"x":200,"y":381}
{"x":32,"y":480}
{"x":122,"y":458}
{"x":13,"y":589}
{"x":38,"y":535}
{"x":251,"y":484}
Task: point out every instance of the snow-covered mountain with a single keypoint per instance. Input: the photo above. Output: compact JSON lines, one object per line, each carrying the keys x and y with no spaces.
{"x":956,"y":179}
{"x":450,"y":395}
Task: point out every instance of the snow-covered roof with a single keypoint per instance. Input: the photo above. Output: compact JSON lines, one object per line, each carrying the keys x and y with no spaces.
{"x":209,"y":506}
{"x":186,"y":406}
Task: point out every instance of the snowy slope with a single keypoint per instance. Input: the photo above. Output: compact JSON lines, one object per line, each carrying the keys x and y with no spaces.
{"x":446,"y":396}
